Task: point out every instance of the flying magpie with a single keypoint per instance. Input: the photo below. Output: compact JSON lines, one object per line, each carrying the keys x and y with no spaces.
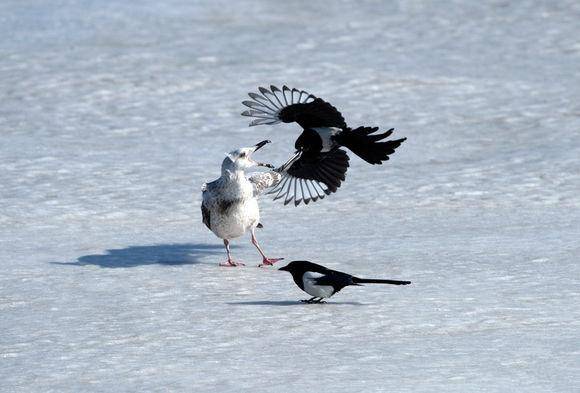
{"x":321,"y":282}
{"x":319,"y":165}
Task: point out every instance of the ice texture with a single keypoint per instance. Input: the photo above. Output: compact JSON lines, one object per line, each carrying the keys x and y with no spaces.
{"x":114,"y":113}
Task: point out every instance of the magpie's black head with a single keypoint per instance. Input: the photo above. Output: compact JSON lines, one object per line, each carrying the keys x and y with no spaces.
{"x":286,"y":268}
{"x":300,"y":267}
{"x":291,"y":267}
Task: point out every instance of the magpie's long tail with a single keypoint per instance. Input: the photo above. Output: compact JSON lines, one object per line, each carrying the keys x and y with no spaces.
{"x":367,"y":146}
{"x":357,"y":280}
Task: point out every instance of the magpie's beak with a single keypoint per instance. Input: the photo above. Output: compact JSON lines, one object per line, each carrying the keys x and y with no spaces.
{"x":261,"y":144}
{"x":284,"y":268}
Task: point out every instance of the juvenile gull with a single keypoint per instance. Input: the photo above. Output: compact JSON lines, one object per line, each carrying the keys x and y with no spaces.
{"x":230,"y":204}
{"x":320,"y":164}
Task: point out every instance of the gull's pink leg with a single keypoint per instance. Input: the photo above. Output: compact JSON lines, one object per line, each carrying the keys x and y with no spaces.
{"x":265,"y":260}
{"x":230,"y":262}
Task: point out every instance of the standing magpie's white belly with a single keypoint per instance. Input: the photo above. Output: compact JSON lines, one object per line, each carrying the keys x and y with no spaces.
{"x":316,"y":290}
{"x":236,"y":219}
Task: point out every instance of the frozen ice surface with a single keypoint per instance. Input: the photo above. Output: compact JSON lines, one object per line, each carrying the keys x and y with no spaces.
{"x":112,"y":115}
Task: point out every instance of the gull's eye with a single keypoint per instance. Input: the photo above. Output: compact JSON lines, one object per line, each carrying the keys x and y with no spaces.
{"x":243,"y":155}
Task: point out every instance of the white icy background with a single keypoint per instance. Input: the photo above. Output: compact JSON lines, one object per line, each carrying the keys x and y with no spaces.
{"x":113,"y":115}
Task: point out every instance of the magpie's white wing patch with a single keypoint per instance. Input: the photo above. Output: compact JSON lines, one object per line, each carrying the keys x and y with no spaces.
{"x":266,"y":105}
{"x":291,"y":188}
{"x":308,"y":179}
{"x":310,"y":286}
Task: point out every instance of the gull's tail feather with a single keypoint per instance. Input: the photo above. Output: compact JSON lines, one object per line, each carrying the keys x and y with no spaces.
{"x":265,"y":107}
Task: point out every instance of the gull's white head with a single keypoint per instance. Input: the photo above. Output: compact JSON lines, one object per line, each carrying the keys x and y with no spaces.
{"x":241,"y":159}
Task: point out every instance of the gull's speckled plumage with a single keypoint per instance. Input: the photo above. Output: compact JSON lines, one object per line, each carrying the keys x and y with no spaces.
{"x":230,"y":203}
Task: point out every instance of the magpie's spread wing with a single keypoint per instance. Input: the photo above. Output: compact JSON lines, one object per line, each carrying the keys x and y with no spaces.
{"x":311,"y":176}
{"x":291,"y":105}
{"x":328,"y":168}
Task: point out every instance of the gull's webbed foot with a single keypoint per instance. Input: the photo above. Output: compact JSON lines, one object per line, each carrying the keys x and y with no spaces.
{"x":269,"y":261}
{"x":231,"y":263}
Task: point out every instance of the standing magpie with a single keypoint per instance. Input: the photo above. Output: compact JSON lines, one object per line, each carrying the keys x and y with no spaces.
{"x":321,"y":282}
{"x":319,"y":164}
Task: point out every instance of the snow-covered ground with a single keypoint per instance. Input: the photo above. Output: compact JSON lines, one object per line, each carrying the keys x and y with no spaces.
{"x":113,"y":114}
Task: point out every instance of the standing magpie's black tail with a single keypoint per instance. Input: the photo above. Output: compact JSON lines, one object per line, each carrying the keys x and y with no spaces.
{"x":357,"y":280}
{"x":367,"y":146}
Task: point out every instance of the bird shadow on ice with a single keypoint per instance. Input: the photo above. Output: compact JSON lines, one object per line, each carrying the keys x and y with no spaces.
{"x":160,"y":254}
{"x":293,"y":303}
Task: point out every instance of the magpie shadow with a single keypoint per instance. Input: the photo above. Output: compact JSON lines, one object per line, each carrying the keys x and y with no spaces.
{"x":293,"y":303}
{"x":159,"y":254}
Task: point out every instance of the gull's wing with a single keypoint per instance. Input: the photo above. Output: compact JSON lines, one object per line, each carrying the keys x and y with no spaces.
{"x":205,"y":214}
{"x":291,"y":105}
{"x":264,"y":180}
{"x":310,"y":177}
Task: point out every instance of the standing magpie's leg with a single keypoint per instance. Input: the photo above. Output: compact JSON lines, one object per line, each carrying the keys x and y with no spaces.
{"x":265,"y":260}
{"x":309,"y":301}
{"x":230,"y":261}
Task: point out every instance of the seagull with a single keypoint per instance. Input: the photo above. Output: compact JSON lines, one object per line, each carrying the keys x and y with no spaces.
{"x":319,"y":164}
{"x":230,"y":204}
{"x":321,"y":282}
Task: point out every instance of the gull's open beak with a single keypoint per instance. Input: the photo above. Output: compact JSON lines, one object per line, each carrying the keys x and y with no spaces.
{"x":261,"y":144}
{"x":258,"y":147}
